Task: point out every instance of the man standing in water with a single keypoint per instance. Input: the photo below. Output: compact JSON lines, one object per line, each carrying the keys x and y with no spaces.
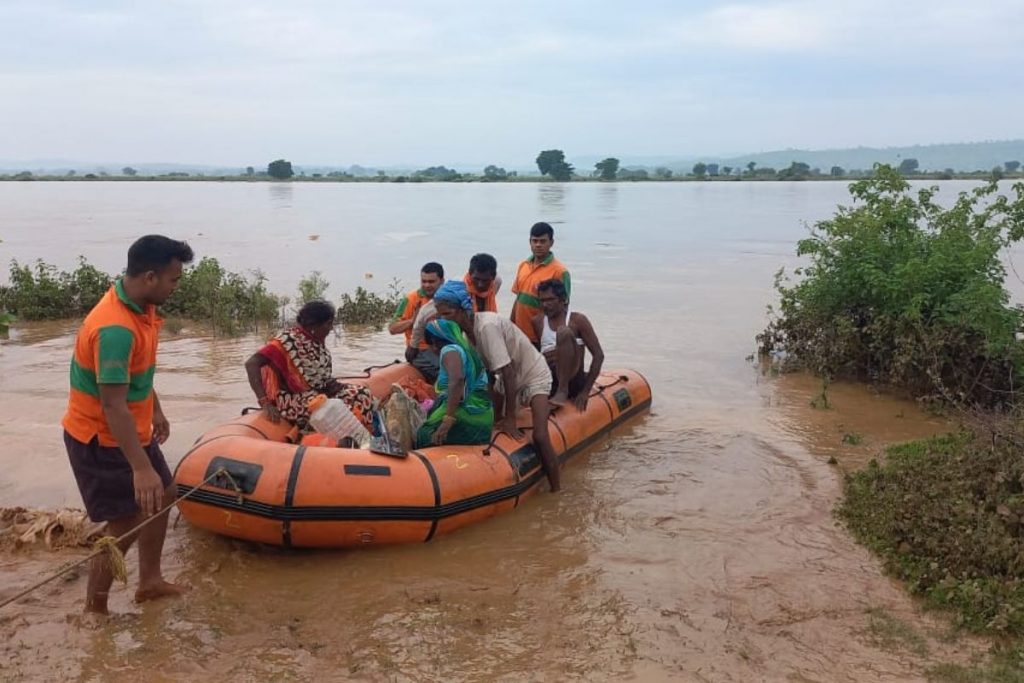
{"x":563,"y":335}
{"x":114,"y":424}
{"x":521,"y":374}
{"x":542,"y":265}
{"x":422,"y":357}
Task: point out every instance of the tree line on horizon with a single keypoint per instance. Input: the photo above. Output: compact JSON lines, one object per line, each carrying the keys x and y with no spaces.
{"x":551,"y":163}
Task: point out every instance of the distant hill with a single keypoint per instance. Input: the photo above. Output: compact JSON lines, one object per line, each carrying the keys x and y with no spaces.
{"x":965,"y":156}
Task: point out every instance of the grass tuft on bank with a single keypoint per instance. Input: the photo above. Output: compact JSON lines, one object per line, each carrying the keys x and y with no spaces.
{"x":947,"y":516}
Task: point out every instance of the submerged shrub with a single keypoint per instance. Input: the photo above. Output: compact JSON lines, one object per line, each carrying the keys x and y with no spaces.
{"x":41,"y":292}
{"x":312,"y":287}
{"x":369,"y":308}
{"x":207,"y":293}
{"x":230,"y":302}
{"x":905,"y":292}
{"x":6,"y":319}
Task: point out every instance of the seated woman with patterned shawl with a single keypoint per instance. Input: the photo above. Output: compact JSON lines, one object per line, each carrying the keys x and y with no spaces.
{"x":295,"y":365}
{"x":463,"y":413}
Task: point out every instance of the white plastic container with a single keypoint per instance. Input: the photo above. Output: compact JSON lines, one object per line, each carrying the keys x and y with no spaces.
{"x":332,"y":417}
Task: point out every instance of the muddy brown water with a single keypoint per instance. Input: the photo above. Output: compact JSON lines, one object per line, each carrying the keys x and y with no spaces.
{"x":696,"y":543}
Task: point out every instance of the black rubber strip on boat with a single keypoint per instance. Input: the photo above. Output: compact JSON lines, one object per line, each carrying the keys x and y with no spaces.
{"x":611,"y":411}
{"x":437,"y":492}
{"x":558,"y":428}
{"x":289,"y":495}
{"x":368,"y":470}
{"x":510,"y":464}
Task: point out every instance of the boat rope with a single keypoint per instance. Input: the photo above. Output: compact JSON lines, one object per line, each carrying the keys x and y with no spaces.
{"x":602,"y":387}
{"x":366,"y":371}
{"x":110,"y":546}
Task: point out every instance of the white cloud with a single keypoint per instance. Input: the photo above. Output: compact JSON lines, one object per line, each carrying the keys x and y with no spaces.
{"x":347,"y":81}
{"x":869,"y":29}
{"x":784,"y":27}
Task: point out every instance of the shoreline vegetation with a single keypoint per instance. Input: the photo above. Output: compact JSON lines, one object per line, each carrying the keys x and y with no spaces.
{"x":229,"y":303}
{"x":903,"y":293}
{"x":551,"y":166}
{"x":419,"y":177}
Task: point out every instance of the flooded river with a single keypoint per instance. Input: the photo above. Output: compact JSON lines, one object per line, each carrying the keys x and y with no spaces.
{"x":697,"y":543}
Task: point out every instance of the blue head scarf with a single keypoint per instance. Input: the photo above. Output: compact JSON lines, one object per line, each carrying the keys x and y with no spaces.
{"x":454,"y":293}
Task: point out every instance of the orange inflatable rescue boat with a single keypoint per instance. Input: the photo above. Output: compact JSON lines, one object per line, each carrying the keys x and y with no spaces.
{"x":296,"y":495}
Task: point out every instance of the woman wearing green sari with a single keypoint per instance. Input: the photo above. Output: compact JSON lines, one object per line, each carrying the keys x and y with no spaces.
{"x":463,"y":413}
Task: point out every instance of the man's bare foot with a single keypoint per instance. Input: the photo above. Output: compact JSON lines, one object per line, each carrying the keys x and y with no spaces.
{"x":92,"y":621}
{"x":559,"y":399}
{"x":155,"y":591}
{"x":89,"y":617}
{"x":89,"y":621}
{"x":96,"y":603}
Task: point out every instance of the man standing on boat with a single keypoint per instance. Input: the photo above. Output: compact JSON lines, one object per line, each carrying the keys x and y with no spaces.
{"x":564,"y":335}
{"x":422,"y":357}
{"x":521,"y":375}
{"x":542,"y":265}
{"x":114,"y":423}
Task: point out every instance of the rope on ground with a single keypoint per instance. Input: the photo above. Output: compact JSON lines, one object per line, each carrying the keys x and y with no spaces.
{"x":111,"y":546}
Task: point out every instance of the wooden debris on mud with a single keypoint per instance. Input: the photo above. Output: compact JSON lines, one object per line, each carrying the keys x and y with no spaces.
{"x":63,"y":528}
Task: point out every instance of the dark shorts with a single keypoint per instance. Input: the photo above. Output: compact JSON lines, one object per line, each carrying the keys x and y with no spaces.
{"x":105,"y":478}
{"x":576,"y":384}
{"x":428,"y":363}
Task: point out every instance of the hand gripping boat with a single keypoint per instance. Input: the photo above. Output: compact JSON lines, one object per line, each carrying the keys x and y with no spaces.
{"x":294,"y":495}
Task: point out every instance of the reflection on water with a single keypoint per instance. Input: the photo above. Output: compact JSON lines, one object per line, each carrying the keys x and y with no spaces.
{"x":551,"y":200}
{"x":695,"y":544}
{"x":280,"y":195}
{"x":608,"y":199}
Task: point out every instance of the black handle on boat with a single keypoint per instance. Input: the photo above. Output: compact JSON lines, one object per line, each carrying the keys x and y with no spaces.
{"x":621,"y":378}
{"x":366,"y":371}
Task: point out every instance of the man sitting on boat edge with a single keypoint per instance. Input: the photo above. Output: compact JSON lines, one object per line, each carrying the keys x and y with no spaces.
{"x":564,"y":335}
{"x":420,"y":355}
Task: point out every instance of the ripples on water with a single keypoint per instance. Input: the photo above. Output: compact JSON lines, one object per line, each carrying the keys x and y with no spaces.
{"x":695,"y":544}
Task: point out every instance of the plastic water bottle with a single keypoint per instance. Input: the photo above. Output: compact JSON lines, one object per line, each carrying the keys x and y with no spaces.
{"x":332,"y":417}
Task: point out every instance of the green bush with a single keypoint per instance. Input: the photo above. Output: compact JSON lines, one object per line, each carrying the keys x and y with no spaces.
{"x":42,"y":292}
{"x":230,"y":302}
{"x":369,"y":308}
{"x":312,"y":287}
{"x":947,"y":516}
{"x":207,"y":293}
{"x":902,"y":291}
{"x":6,"y":319}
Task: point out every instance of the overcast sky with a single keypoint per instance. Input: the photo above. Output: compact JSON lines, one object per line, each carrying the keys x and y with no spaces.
{"x":381,"y":83}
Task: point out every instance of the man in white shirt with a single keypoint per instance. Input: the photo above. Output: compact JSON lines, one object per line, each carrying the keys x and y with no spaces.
{"x":521,"y":373}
